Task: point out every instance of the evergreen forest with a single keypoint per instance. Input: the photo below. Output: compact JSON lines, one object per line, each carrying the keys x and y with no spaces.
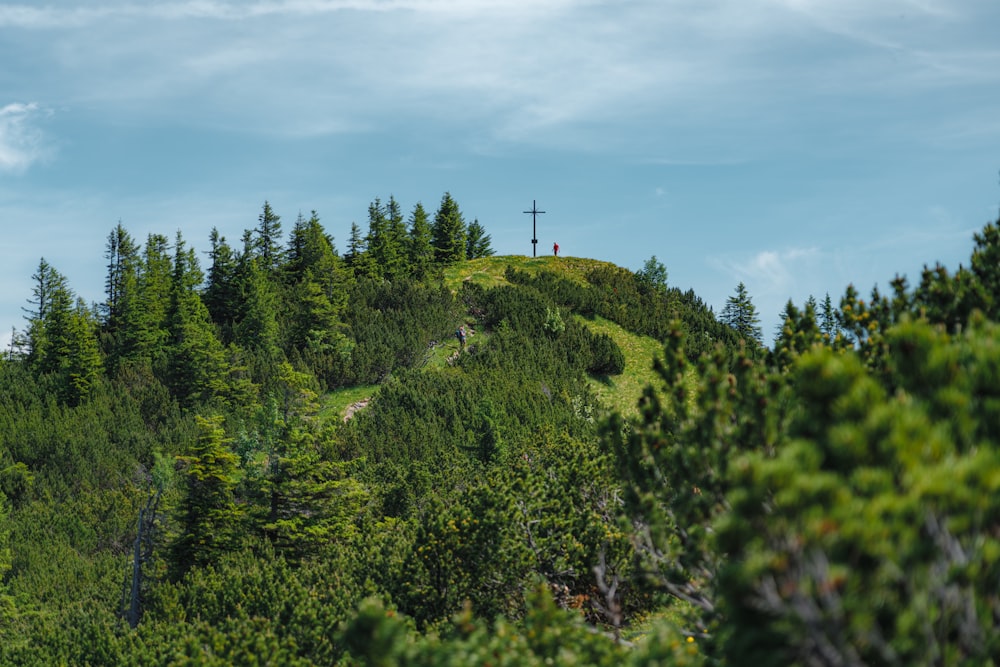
{"x":271,"y":451}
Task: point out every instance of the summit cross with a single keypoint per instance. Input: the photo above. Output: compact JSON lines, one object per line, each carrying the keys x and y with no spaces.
{"x":534,"y":227}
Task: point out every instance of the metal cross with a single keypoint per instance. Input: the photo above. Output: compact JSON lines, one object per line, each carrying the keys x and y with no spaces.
{"x":534,"y":228}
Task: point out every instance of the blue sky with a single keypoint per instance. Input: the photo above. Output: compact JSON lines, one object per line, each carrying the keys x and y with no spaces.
{"x":794,"y":145}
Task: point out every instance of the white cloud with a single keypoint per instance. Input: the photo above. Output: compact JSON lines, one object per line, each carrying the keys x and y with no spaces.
{"x":21,"y":143}
{"x":565,"y":73}
{"x":772,"y":271}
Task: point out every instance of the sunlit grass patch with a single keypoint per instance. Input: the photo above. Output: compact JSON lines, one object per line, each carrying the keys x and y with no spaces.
{"x":621,"y":393}
{"x":489,"y":271}
{"x":334,"y":404}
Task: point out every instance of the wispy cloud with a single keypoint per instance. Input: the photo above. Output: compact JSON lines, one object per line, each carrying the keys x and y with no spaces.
{"x":771,"y":271}
{"x":73,"y":15}
{"x":21,"y":142}
{"x":703,"y":162}
{"x":906,"y":44}
{"x":566,"y":74}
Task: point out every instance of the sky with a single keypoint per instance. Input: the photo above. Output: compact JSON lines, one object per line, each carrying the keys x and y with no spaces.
{"x":796,"y":146}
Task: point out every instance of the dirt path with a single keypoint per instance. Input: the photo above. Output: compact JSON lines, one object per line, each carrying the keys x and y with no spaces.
{"x":354,"y":407}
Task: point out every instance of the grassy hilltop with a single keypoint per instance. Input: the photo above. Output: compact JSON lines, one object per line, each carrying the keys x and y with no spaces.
{"x":489,"y":271}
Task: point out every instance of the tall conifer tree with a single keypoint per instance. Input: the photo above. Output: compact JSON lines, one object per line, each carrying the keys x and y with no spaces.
{"x":151,"y":331}
{"x":267,"y":239}
{"x":257,"y":330}
{"x":318,"y":284}
{"x":478,"y":242}
{"x":313,"y":255}
{"x":358,"y":258}
{"x":62,"y":336}
{"x":311,"y":499}
{"x":396,"y":228}
{"x":379,"y":242}
{"x":449,"y":232}
{"x":741,"y":315}
{"x":121,"y":288}
{"x":196,"y":364}
{"x":80,"y":357}
{"x":420,"y":246}
{"x":221,"y":295}
{"x":49,"y":292}
{"x":310,"y":249}
{"x":355,"y":244}
{"x":208,"y":515}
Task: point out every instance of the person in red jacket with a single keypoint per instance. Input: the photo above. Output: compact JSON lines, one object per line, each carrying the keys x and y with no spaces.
{"x":555,"y":249}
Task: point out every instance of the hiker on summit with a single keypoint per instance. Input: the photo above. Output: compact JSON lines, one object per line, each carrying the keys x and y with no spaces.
{"x":555,"y":249}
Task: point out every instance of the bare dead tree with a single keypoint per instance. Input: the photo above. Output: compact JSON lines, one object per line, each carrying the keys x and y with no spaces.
{"x":142,"y":552}
{"x":610,"y":607}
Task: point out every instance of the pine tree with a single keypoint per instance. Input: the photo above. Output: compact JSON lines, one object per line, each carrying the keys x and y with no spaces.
{"x":311,"y":249}
{"x":396,"y":228}
{"x":798,"y":332}
{"x":317,"y":286}
{"x":448,"y":232}
{"x":789,"y":317}
{"x":57,"y":325}
{"x":902,"y":299}
{"x":80,"y":356}
{"x":208,"y":515}
{"x":312,"y":256}
{"x":50,"y":294}
{"x":267,"y":240}
{"x":196,"y":368}
{"x":296,"y":248}
{"x":653,"y":276}
{"x":848,"y":318}
{"x":309,"y":315}
{"x":355,"y":244}
{"x":148,"y":336}
{"x":477,"y":243}
{"x":383,"y":254}
{"x":311,"y":500}
{"x":985,"y":265}
{"x":358,"y":258}
{"x":741,"y":315}
{"x":257,"y":329}
{"x":221,"y":293}
{"x":386,"y":240}
{"x":828,"y":319}
{"x":420,"y":246}
{"x":62,"y":336}
{"x":121,"y":290}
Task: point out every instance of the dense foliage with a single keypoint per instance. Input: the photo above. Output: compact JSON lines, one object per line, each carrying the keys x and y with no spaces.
{"x":834,"y":505}
{"x":173,"y":489}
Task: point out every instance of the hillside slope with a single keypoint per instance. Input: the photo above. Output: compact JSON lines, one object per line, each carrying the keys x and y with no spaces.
{"x":618,"y":393}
